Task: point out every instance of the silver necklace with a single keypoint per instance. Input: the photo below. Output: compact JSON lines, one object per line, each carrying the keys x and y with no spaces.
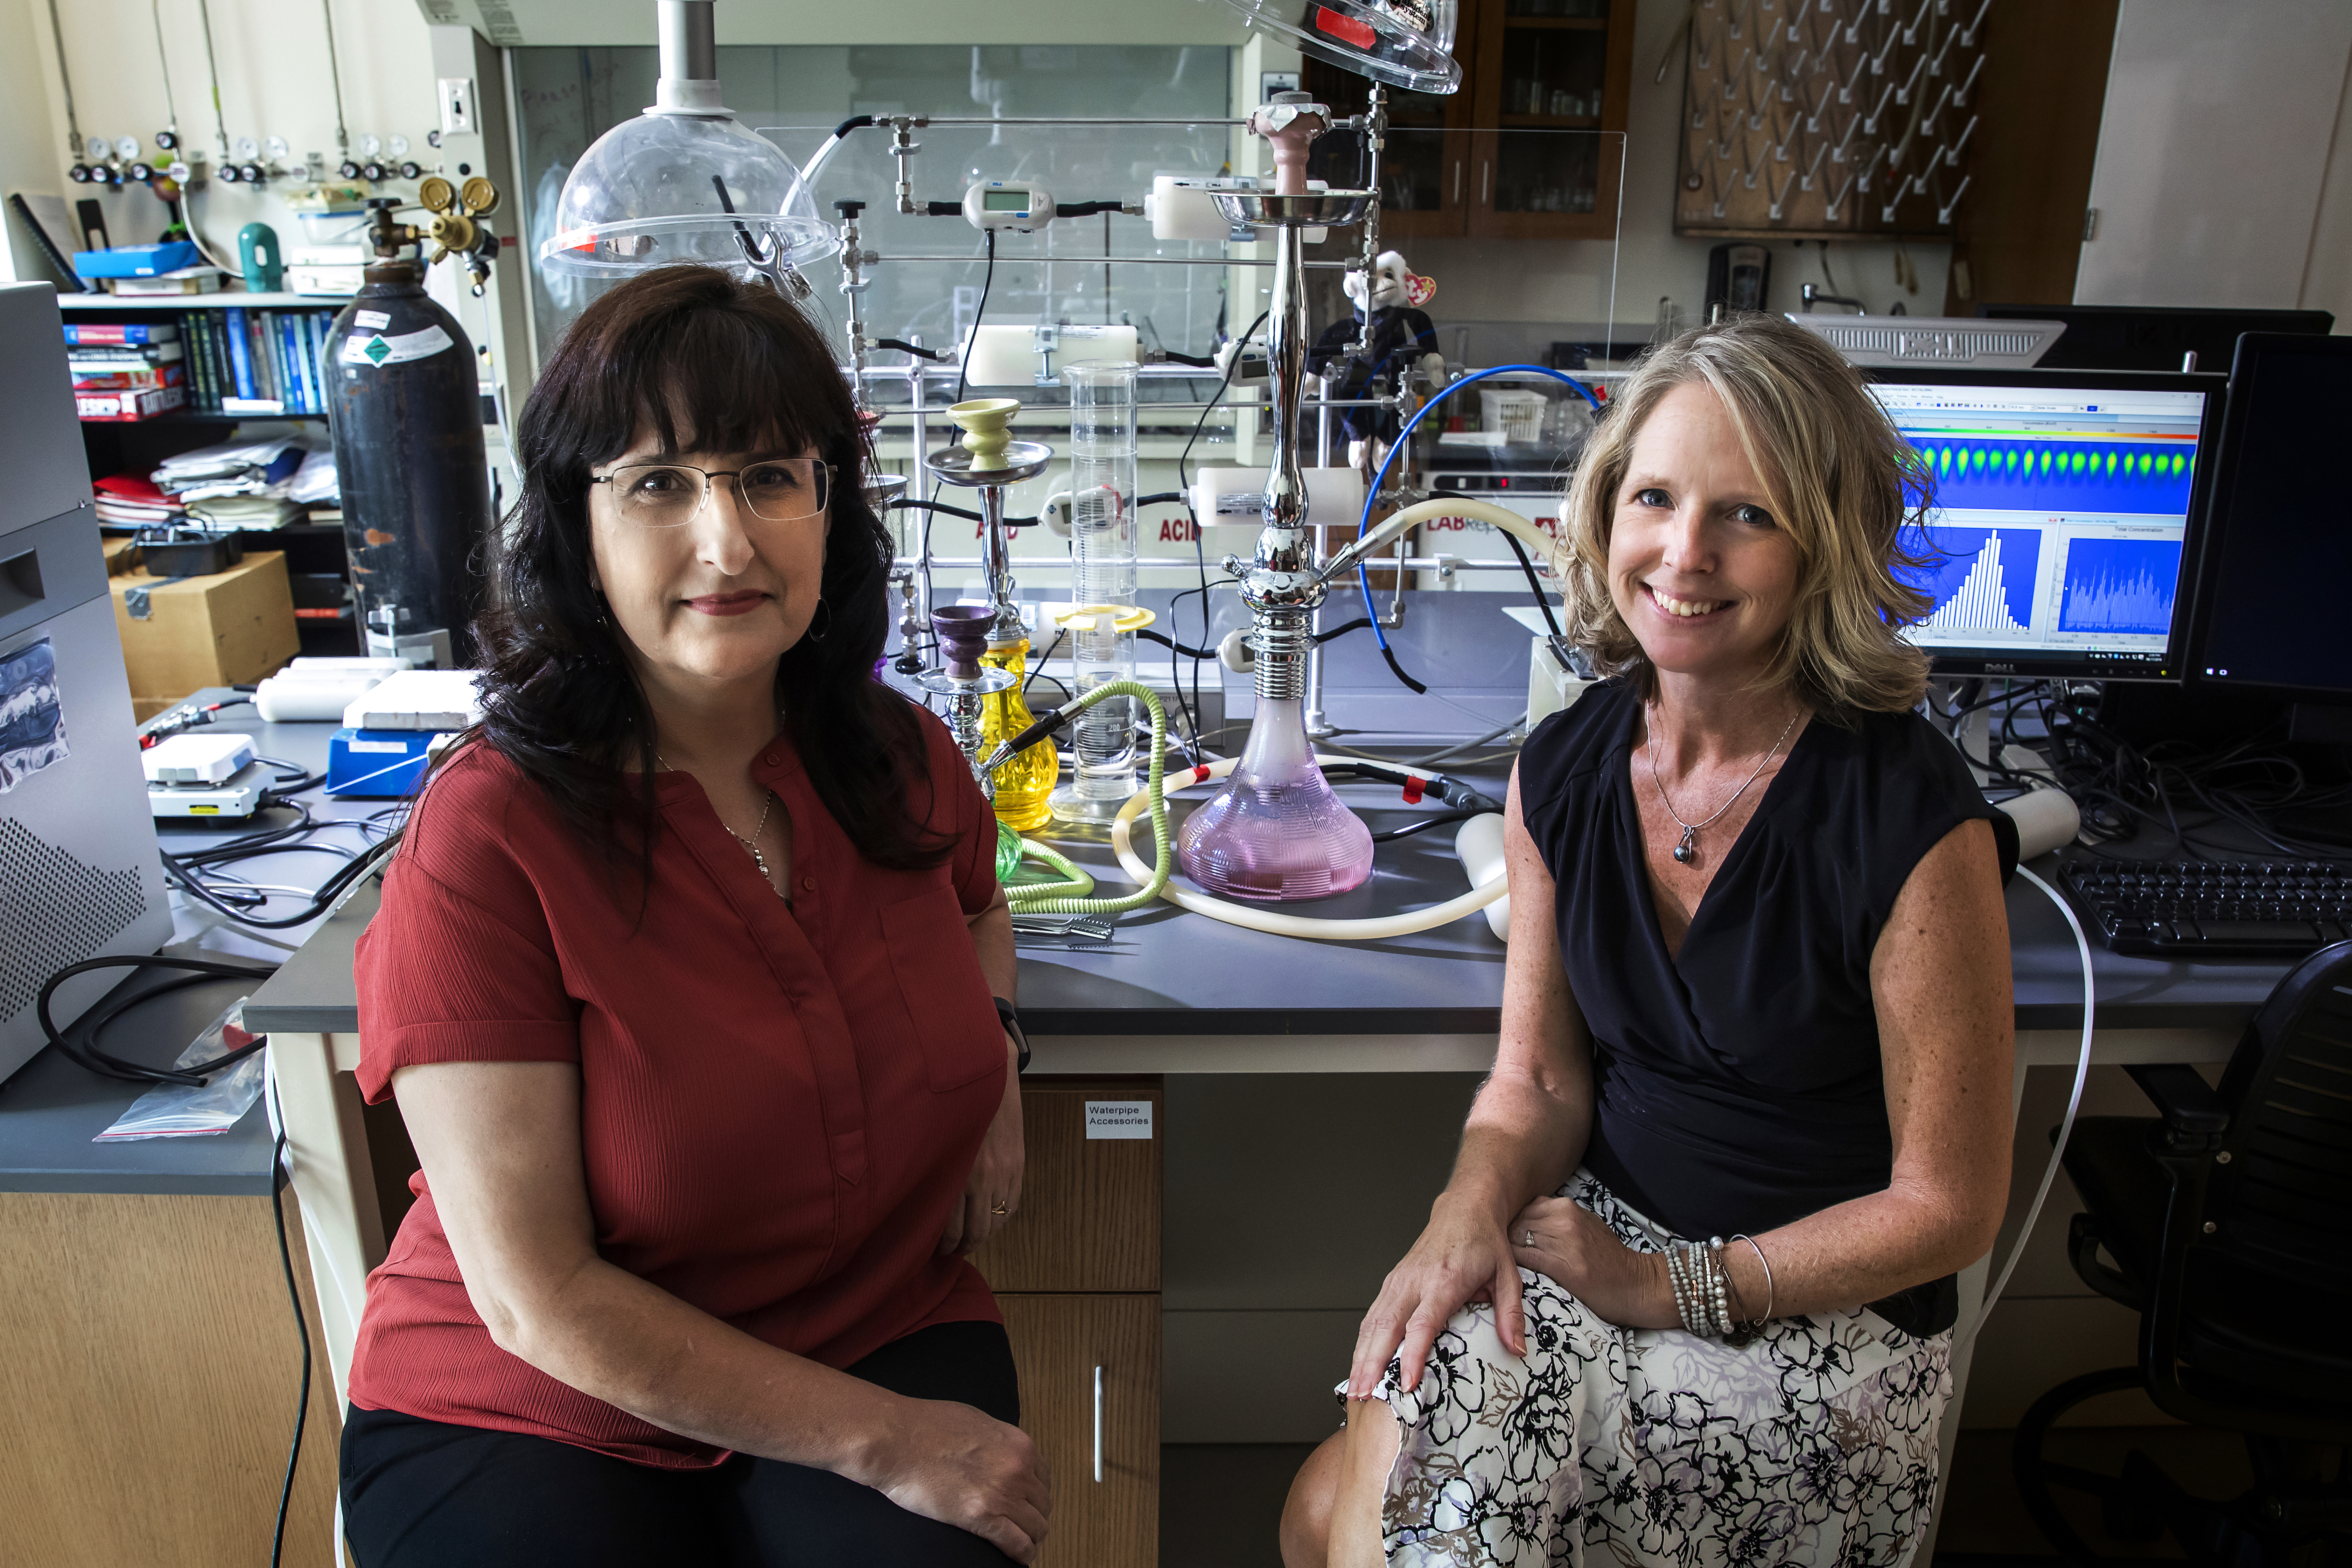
{"x":752,"y":843}
{"x":1687,"y":851}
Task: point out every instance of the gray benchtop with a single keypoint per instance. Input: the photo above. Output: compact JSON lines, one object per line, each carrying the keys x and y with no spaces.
{"x":1168,"y":971}
{"x":53,"y":1107}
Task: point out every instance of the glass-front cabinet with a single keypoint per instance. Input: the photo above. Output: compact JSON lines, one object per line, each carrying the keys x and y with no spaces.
{"x":1493,"y":160}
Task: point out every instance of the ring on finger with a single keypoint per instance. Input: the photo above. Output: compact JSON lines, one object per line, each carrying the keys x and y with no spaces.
{"x":1529,"y":1240}
{"x":998,"y":1207}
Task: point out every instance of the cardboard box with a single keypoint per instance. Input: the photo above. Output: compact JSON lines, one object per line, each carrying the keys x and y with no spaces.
{"x":121,"y":555}
{"x":228,"y":629}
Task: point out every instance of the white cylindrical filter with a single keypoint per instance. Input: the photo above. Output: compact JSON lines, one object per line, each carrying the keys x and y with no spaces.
{"x":1102,"y":585}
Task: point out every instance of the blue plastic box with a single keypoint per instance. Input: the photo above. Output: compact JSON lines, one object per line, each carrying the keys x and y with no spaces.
{"x":377,"y":763}
{"x":136,"y":260}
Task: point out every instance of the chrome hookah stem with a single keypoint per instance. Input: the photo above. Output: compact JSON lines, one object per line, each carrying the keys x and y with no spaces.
{"x":1282,"y":586}
{"x":996,"y":564}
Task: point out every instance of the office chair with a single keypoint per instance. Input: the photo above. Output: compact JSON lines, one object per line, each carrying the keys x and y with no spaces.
{"x":2229,"y":1222}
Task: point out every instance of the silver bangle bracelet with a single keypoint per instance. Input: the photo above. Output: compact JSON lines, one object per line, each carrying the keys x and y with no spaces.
{"x":1772,"y":1291}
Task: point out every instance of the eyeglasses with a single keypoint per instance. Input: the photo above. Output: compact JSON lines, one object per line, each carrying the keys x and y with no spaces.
{"x":671,"y":495}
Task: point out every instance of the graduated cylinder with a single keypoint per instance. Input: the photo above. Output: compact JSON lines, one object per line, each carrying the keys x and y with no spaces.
{"x":1101,"y":626}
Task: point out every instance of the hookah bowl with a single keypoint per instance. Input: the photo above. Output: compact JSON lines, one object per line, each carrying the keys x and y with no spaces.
{"x":962,"y":679}
{"x":1276,"y":831}
{"x":987,"y":428}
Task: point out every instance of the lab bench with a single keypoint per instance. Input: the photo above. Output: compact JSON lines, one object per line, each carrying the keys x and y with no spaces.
{"x":1193,"y":1287}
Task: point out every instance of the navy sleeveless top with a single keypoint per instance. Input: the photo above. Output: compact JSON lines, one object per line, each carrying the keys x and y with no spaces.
{"x":1737,"y":1083}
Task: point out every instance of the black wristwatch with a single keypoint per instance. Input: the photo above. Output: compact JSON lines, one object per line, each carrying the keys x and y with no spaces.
{"x":1010,"y":1016}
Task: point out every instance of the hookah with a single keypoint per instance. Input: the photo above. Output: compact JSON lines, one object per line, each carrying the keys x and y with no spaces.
{"x":989,"y":461}
{"x":1277,"y":832}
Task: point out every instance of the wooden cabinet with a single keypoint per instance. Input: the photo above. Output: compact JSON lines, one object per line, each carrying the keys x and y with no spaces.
{"x":1090,"y":1399}
{"x":1498,"y":158}
{"x":1078,"y":1276}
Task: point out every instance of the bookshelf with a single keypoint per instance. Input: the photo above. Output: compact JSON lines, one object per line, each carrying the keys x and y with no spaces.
{"x":223,"y":300}
{"x":315,"y":553}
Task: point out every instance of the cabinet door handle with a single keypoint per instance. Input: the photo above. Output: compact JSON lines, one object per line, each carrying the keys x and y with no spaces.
{"x":1099,"y":1425}
{"x":1486,"y":170}
{"x":1457,"y":182}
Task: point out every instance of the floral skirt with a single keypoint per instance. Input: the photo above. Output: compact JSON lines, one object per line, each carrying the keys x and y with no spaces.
{"x":1814,"y":1445}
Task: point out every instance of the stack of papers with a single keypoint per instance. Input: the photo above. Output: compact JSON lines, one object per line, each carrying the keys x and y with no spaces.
{"x":227,"y":514}
{"x":134,"y":501}
{"x":263,"y":466}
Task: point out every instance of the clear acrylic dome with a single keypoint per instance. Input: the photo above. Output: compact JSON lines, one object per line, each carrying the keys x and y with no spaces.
{"x":1404,"y":43}
{"x":649,"y":193}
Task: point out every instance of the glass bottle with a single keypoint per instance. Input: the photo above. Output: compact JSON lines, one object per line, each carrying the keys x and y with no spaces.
{"x":1275,"y":831}
{"x":1025,"y":784}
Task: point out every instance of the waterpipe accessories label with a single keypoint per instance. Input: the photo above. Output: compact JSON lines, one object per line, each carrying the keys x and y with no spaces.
{"x":1119,"y":1119}
{"x":374,"y":348}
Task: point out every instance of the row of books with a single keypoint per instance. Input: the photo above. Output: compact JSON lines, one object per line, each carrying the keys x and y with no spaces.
{"x":236,"y":361}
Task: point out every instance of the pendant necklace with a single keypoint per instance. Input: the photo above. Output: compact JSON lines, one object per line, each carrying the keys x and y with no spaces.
{"x":752,"y":843}
{"x":1687,"y":851}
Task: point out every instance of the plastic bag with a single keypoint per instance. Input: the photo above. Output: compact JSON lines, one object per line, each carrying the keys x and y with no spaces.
{"x":186,"y":1111}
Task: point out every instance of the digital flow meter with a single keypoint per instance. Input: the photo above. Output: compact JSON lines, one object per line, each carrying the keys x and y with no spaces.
{"x":1020,"y":205}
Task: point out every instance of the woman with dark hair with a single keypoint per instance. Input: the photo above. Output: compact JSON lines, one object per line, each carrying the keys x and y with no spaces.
{"x":682,"y":979}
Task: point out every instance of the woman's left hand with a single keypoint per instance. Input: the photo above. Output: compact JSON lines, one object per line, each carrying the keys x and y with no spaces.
{"x":993,"y":1191}
{"x":1568,"y":1245}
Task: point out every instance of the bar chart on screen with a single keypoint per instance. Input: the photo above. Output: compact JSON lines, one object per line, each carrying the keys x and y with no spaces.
{"x":2119,"y":585}
{"x":1981,"y":578}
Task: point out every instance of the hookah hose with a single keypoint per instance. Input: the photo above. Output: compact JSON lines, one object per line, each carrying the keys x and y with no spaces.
{"x":1122,"y":843}
{"x":1060,"y":898}
{"x":1372,"y":495}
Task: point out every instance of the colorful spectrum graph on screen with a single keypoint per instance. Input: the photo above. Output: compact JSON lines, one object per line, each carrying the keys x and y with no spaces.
{"x":2120,"y":585}
{"x":1983,"y":581}
{"x":2092,"y":476}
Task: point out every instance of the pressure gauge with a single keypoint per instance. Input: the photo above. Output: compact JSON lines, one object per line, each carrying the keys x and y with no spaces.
{"x":371,"y":145}
{"x":167,"y":141}
{"x":142,"y":173}
{"x":98,"y":149}
{"x":1020,"y":205}
{"x":79,"y":174}
{"x":277,"y":149}
{"x":397,"y":146}
{"x":247,"y":149}
{"x":126,"y":146}
{"x":349,"y":169}
{"x":410,"y":169}
{"x":252,"y":174}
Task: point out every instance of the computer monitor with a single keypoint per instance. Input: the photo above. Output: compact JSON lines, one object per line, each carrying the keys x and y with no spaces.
{"x":2279,"y":543}
{"x":2064,"y":517}
{"x":2153,"y":337}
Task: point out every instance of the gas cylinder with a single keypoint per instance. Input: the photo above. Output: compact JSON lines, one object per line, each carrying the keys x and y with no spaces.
{"x":406,"y":417}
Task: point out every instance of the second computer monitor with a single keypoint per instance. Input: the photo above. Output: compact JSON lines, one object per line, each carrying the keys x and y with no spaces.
{"x":2064,"y":517}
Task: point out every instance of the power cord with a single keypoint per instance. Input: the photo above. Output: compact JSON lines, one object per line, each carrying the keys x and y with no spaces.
{"x":987,"y":282}
{"x":280,"y":1172}
{"x":86,"y":1052}
{"x":2065,"y":1127}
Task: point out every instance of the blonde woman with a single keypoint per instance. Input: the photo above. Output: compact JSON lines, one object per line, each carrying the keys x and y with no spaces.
{"x":1688,"y":1296}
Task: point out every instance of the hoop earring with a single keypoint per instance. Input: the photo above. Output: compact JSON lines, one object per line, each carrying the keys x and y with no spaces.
{"x":812,"y":634}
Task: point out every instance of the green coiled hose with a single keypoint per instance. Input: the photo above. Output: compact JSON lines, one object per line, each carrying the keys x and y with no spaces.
{"x":1067,"y":898}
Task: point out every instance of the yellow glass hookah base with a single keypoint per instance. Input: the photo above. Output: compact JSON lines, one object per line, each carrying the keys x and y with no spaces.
{"x":1026,"y":784}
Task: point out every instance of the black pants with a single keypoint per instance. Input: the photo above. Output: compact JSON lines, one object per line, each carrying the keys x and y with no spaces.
{"x":434,"y":1495}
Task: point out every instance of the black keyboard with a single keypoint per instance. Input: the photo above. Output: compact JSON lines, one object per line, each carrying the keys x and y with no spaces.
{"x":2216,"y":908}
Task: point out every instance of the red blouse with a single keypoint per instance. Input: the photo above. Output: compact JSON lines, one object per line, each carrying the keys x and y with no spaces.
{"x":778,"y":1103}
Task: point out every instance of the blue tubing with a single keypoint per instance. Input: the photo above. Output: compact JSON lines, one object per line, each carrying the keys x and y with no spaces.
{"x":1363,"y":578}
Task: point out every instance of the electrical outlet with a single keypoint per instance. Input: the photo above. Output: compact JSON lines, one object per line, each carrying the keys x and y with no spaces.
{"x":457,"y":115}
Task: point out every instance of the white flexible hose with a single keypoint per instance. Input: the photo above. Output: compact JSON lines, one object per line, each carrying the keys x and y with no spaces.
{"x":2066,"y":1128}
{"x":1122,"y":843}
{"x":1478,"y":510}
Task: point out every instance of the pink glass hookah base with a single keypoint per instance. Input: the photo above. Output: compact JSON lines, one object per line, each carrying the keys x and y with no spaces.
{"x":1275,"y":832}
